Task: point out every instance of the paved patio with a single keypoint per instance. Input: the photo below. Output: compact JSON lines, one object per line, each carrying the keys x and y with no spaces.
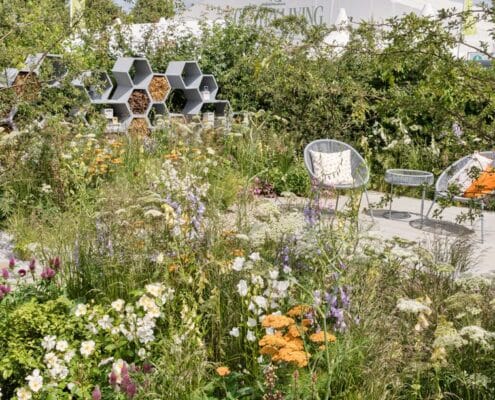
{"x":434,"y":230}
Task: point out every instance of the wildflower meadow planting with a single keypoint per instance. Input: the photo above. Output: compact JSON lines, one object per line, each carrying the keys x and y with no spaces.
{"x":196,"y":259}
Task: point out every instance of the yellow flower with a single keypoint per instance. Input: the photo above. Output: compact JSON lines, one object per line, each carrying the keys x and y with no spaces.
{"x":223,"y":371}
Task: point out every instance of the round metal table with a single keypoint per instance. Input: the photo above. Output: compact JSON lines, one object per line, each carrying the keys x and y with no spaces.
{"x":407,"y":177}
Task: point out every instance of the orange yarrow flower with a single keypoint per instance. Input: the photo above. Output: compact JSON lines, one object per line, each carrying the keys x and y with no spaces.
{"x":298,"y":311}
{"x":277,"y":321}
{"x":319,"y":337}
{"x":299,"y":358}
{"x":223,"y":371}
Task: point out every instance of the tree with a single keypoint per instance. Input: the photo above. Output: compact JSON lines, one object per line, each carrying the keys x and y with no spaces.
{"x":152,"y":11}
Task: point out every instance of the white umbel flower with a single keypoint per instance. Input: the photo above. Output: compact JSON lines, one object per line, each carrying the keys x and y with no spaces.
{"x":412,"y":306}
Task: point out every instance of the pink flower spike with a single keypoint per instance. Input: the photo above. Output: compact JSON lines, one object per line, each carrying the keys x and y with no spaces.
{"x":47,"y":273}
{"x":56,"y":263}
{"x":96,"y":394}
{"x":32,"y":265}
{"x":5,"y":273}
{"x":112,"y":379}
{"x":11,"y":262}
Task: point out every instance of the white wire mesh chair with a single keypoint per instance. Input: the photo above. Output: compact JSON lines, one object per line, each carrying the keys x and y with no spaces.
{"x":442,"y":187}
{"x":359,"y":168}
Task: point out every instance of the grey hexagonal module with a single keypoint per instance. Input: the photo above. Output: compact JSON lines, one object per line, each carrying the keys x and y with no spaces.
{"x":184,"y":74}
{"x":97,"y":85}
{"x":131,"y":71}
{"x":7,"y":77}
{"x":157,"y":115}
{"x":208,"y":88}
{"x":48,"y":66}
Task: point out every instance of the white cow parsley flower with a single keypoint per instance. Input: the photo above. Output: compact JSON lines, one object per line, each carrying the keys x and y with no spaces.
{"x":48,"y":342}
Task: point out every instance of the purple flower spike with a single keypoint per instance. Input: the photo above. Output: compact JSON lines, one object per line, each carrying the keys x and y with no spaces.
{"x":11,"y":262}
{"x":56,"y":263}
{"x":96,"y":394}
{"x":22,"y":272}
{"x":32,"y":265}
{"x":345,"y":298}
{"x":5,"y":273}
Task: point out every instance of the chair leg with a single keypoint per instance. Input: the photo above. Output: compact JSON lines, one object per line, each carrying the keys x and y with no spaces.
{"x":369,"y":204}
{"x":431,"y":206}
{"x":482,"y":222}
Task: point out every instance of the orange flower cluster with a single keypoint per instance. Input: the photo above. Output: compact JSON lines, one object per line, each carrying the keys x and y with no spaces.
{"x":284,"y":348}
{"x":286,"y":344}
{"x":223,"y":371}
{"x":319,"y":337}
{"x":298,"y":311}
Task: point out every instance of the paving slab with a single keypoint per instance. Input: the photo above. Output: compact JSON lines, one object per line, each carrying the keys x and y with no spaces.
{"x":434,"y":230}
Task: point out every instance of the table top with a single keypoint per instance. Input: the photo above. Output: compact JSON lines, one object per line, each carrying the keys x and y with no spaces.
{"x":408,"y":177}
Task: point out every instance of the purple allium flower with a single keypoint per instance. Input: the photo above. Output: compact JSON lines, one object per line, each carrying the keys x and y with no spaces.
{"x":96,"y":394}
{"x":131,"y":390}
{"x":5,"y":289}
{"x":47,"y":273}
{"x":147,"y":367}
{"x":22,"y":272}
{"x":11,"y":262}
{"x":5,"y":273}
{"x":32,"y":265}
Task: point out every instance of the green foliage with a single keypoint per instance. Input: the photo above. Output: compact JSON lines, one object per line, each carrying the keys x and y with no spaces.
{"x":151,"y":11}
{"x":23,"y":326}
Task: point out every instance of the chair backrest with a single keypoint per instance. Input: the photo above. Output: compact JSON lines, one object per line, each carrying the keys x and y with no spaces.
{"x":359,"y":168}
{"x":442,"y":184}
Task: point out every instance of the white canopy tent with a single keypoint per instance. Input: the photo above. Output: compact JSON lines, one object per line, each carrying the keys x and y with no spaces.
{"x":329,"y":12}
